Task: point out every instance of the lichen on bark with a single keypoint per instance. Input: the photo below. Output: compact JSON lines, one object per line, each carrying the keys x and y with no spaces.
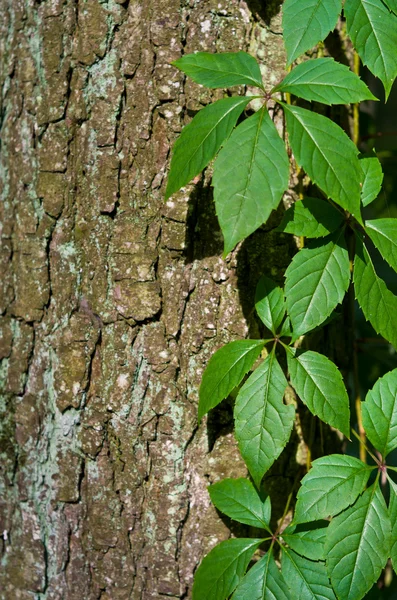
{"x":111,"y":300}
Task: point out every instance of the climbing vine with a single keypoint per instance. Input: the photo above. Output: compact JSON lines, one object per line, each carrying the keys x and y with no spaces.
{"x":344,"y":527}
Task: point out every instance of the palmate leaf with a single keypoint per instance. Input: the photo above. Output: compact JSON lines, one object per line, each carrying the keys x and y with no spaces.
{"x":263,"y":423}
{"x":221,"y":70}
{"x":377,"y":302}
{"x":225,"y":371}
{"x":332,"y":484}
{"x":383,"y":233}
{"x":319,"y":385}
{"x":307,"y":540}
{"x":311,"y":217}
{"x":221,"y":570}
{"x":263,"y":582}
{"x":239,"y":500}
{"x":373,"y":178}
{"x":250,"y":176}
{"x":373,"y":31}
{"x":327,"y":155}
{"x":316,"y":282}
{"x":324,"y":80}
{"x":201,"y":140}
{"x":380,"y":413}
{"x":306,"y":579}
{"x":393,"y":521}
{"x":269,"y":303}
{"x":358,"y":544}
{"x":307,"y":22}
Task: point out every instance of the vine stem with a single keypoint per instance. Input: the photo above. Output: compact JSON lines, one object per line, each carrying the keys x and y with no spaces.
{"x":357,"y":395}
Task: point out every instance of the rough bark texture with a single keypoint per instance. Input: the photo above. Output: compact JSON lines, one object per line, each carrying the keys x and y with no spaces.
{"x":112,"y":302}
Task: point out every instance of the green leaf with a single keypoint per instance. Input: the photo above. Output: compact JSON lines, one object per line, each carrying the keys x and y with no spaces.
{"x":316,"y":282}
{"x":324,"y":80}
{"x":311,"y":217}
{"x":221,"y":70}
{"x":383,"y":233}
{"x":392,"y":5}
{"x":306,"y":579}
{"x":225,"y":371}
{"x":377,"y":302}
{"x":307,"y":22}
{"x":327,"y":155}
{"x":380,"y":413}
{"x":373,"y":178}
{"x":250,"y":176}
{"x":320,"y":386}
{"x":201,"y":140}
{"x":221,"y":570}
{"x":269,"y":303}
{"x":263,"y":422}
{"x":358,"y":545}
{"x":393,"y":521}
{"x":373,"y":31}
{"x":239,"y":500}
{"x":332,"y":484}
{"x":307,"y":540}
{"x":263,"y":582}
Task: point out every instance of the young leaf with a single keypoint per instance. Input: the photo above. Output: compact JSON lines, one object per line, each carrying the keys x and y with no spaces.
{"x":239,"y":500}
{"x":320,"y":386}
{"x":324,"y":80}
{"x":377,"y":302}
{"x":311,"y":217}
{"x":201,"y":140}
{"x":392,"y":5}
{"x":328,"y":156}
{"x":383,"y":233}
{"x":373,"y":31}
{"x":316,"y":282}
{"x":306,"y":579}
{"x":225,"y":371}
{"x":307,"y":540}
{"x":269,"y":303}
{"x":393,"y":521}
{"x":221,"y":570}
{"x":263,"y":422}
{"x":221,"y":70}
{"x":263,"y":582}
{"x":373,"y":178}
{"x":380,"y":413}
{"x":250,"y":176}
{"x":332,"y":484}
{"x":358,"y":544}
{"x":307,"y":22}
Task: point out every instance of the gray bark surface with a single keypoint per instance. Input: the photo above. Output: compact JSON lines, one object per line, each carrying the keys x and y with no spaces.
{"x":111,"y":300}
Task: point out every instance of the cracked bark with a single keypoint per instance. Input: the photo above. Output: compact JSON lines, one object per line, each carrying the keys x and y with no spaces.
{"x":112,"y":302}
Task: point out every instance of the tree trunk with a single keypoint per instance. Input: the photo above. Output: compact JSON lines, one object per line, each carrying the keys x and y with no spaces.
{"x":112,"y":301}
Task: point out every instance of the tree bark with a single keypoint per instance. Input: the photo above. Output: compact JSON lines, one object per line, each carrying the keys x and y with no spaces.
{"x":111,"y":300}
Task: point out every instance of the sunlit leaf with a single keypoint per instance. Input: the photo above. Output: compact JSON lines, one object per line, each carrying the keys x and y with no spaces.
{"x":306,"y":579}
{"x":379,"y":413}
{"x":239,"y":500}
{"x":383,"y":233}
{"x":269,"y":303}
{"x":373,"y":178}
{"x":263,"y":582}
{"x":311,"y":217}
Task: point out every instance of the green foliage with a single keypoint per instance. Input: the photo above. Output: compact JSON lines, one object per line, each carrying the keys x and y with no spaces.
{"x":324,"y":80}
{"x":239,"y":500}
{"x":246,"y":191}
{"x":373,"y":178}
{"x":312,"y":218}
{"x":225,"y":371}
{"x":373,"y":31}
{"x":358,"y":545}
{"x":316,"y":282}
{"x":342,"y":532}
{"x":320,"y":386}
{"x":332,"y":484}
{"x":307,"y":22}
{"x":263,"y":423}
